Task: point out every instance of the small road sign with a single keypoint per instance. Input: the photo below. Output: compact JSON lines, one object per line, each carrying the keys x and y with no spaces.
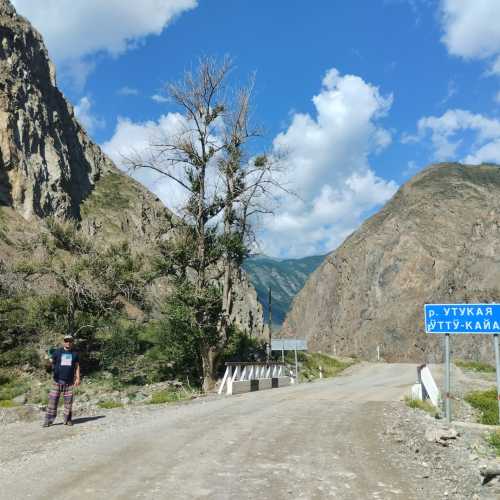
{"x":289,"y":345}
{"x":462,"y":318}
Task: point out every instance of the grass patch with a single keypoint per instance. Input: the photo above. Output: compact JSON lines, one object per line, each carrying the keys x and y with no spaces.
{"x":7,"y":403}
{"x":170,"y":396}
{"x":11,"y":388}
{"x":475,"y":366}
{"x":113,"y":191}
{"x":421,"y":405}
{"x":486,"y":402}
{"x":310,"y":364}
{"x":109,"y":405}
{"x":494,"y":441}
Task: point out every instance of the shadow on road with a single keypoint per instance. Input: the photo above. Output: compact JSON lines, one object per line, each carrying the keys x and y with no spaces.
{"x":82,"y":420}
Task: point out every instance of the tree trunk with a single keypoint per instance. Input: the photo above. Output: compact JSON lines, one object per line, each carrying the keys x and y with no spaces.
{"x":227,"y":286}
{"x":209,"y":357}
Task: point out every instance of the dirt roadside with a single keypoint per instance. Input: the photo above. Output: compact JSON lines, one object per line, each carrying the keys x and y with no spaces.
{"x":327,"y":439}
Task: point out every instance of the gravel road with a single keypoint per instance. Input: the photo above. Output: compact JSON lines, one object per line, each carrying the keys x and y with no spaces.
{"x":316,"y":440}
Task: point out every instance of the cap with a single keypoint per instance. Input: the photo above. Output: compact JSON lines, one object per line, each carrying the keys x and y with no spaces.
{"x":68,"y":337}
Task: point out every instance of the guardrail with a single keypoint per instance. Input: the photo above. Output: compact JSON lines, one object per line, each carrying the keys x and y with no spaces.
{"x":251,"y":376}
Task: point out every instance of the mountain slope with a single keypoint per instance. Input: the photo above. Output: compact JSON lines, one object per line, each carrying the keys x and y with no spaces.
{"x":285,"y":277}
{"x":49,"y":166}
{"x":436,"y":241}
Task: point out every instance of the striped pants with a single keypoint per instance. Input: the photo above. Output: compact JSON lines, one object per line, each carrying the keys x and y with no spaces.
{"x":54,"y":395}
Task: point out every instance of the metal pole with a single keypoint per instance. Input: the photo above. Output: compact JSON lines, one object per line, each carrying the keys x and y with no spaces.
{"x":282,"y":352}
{"x":447,"y":389}
{"x":497,"y":363}
{"x":296,"y":366}
{"x":270,"y":322}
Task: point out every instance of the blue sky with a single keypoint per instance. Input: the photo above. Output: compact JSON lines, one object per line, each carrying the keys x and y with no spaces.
{"x":362,"y":93}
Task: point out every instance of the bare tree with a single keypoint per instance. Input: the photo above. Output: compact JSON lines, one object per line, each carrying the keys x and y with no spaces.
{"x":225,"y":188}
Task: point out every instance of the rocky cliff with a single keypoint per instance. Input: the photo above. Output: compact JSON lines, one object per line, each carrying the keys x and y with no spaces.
{"x":48,"y":163}
{"x":49,"y":166}
{"x":436,"y":241}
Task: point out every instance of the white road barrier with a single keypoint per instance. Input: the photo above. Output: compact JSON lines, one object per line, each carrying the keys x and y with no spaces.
{"x":248,"y":377}
{"x":426,"y":387}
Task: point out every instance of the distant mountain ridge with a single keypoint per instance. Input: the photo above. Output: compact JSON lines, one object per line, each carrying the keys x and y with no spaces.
{"x":286,"y":277}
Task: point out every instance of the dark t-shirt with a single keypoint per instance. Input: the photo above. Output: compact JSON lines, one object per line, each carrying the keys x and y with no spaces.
{"x":64,"y":363}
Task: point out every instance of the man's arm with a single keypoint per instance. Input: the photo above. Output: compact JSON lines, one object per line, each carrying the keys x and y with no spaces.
{"x":50,"y":361}
{"x":77,"y":374}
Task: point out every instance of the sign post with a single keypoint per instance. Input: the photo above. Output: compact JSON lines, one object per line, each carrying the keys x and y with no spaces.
{"x":497,"y":364}
{"x":460,"y":319}
{"x":296,"y":366}
{"x":447,"y":385}
{"x":290,"y":345}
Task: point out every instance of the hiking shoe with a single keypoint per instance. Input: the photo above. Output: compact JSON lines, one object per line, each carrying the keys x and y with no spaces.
{"x":69,"y":422}
{"x":46,"y":424}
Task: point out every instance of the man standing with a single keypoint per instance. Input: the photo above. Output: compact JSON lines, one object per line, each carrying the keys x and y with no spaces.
{"x":66,"y":369}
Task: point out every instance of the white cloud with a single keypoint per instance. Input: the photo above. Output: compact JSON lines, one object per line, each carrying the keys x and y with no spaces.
{"x":159,"y":98}
{"x":328,"y":163}
{"x":80,"y":28}
{"x":128,"y":91}
{"x":450,"y":134}
{"x":131,"y":138}
{"x":83,"y":111}
{"x":489,"y":153}
{"x":321,"y":224}
{"x":472,"y":30}
{"x":450,"y":93}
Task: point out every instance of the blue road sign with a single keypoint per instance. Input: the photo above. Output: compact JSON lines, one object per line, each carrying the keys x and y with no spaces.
{"x":462,"y":318}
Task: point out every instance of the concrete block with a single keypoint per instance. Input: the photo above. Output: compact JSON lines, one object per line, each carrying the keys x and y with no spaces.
{"x":240,"y":387}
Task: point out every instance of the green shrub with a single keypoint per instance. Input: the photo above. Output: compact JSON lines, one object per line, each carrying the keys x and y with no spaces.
{"x":119,"y":349}
{"x":12,"y":388}
{"x":108,"y":405}
{"x":310,"y":364}
{"x":68,"y":237}
{"x":170,"y":396}
{"x":421,"y":405}
{"x":486,"y":402}
{"x":7,"y":403}
{"x":494,"y":441}
{"x":20,"y":356}
{"x":176,"y":351}
{"x":242,"y":347}
{"x":475,"y":366}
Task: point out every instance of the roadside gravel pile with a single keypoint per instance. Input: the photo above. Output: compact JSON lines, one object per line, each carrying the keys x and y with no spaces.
{"x":444,"y":460}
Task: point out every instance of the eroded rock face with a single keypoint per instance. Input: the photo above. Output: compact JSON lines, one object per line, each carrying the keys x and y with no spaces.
{"x":247,"y":312}
{"x":436,"y":241}
{"x":48,"y":164}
